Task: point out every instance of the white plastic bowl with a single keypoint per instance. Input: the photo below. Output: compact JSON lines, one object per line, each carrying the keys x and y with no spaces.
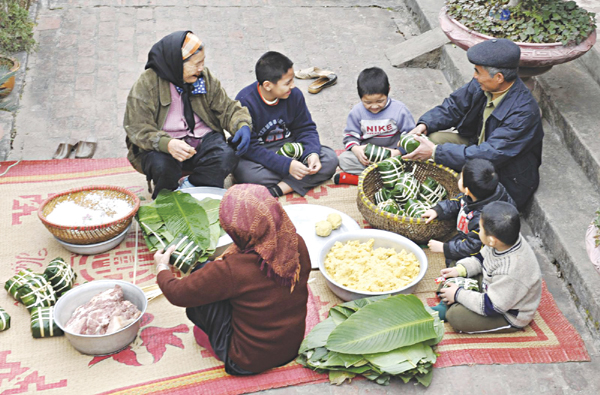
{"x":383,"y":239}
{"x":96,"y":248}
{"x":99,"y":344}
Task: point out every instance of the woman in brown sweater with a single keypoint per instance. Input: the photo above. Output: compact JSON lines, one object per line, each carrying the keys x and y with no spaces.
{"x":251,"y":303}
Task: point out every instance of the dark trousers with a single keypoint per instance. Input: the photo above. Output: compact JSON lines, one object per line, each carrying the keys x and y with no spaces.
{"x":215,"y":320}
{"x":211,"y":164}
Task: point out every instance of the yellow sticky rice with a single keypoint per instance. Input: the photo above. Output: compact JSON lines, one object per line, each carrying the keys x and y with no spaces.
{"x":360,"y":267}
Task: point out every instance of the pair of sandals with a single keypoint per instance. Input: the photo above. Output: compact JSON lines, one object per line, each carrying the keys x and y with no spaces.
{"x":325,"y":78}
{"x":83,"y":149}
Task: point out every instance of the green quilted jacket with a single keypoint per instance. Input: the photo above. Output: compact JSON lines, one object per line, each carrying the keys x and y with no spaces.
{"x":148,"y":105}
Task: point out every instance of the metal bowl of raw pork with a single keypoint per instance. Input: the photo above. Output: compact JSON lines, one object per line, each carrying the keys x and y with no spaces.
{"x":108,"y":343}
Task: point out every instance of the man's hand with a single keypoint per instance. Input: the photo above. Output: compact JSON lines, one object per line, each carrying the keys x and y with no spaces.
{"x":420,"y":129}
{"x":298,"y":170}
{"x":435,"y":246}
{"x":430,"y":215}
{"x":449,"y":272}
{"x":314,"y":164}
{"x":242,"y":140}
{"x":423,"y":152}
{"x":161,"y":260}
{"x":180,"y":150}
{"x":395,"y":152}
{"x":359,"y":152}
{"x":447,"y":294}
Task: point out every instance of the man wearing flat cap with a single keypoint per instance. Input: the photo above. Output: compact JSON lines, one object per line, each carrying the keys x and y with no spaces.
{"x":495,"y":117}
{"x":176,"y":115}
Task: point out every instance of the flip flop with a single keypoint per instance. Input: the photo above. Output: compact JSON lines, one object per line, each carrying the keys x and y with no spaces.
{"x":312,"y":72}
{"x":85,"y":149}
{"x":322,"y":83}
{"x":63,"y":151}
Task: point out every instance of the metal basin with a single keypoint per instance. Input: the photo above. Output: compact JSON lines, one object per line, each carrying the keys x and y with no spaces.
{"x":99,"y":344}
{"x":383,"y":239}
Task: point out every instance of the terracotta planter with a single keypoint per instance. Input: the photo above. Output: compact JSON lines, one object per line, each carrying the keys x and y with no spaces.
{"x":535,"y":58}
{"x":8,"y":86}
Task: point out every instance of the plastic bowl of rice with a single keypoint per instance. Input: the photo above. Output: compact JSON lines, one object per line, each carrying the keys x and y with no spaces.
{"x":351,"y":274}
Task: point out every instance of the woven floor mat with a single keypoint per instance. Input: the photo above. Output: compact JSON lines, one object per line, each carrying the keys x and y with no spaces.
{"x":165,"y":358}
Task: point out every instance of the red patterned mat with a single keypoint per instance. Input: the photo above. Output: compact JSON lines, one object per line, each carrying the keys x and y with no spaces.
{"x":165,"y":358}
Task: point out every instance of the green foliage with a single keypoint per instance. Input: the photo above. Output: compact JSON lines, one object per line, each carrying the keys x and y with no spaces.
{"x":5,"y":74}
{"x":533,"y":21}
{"x":16,"y":29}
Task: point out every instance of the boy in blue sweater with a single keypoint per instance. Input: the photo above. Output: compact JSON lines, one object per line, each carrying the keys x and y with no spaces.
{"x":280,"y":115}
{"x":377,"y":119}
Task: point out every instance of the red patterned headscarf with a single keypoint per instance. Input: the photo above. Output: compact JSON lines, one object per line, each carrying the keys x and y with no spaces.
{"x":257,"y":222}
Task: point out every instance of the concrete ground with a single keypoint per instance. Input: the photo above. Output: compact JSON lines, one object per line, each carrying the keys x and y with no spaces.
{"x":91,"y":51}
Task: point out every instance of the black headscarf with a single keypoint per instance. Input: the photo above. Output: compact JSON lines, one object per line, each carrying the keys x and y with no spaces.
{"x":166,"y":60}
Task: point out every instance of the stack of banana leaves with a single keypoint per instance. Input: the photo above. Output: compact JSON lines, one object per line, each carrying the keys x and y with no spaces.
{"x":177,"y":218}
{"x":379,"y":338}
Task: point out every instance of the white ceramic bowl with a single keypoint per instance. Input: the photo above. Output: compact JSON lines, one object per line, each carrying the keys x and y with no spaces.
{"x":96,"y":248}
{"x":383,"y":239}
{"x":99,"y":344}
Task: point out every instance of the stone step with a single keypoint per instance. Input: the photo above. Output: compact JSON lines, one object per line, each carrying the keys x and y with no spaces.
{"x":591,"y":62}
{"x":560,"y":213}
{"x":570,"y":100}
{"x":421,"y":51}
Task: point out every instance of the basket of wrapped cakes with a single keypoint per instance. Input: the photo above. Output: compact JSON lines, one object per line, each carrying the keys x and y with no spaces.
{"x":89,"y":215}
{"x":394,"y":193}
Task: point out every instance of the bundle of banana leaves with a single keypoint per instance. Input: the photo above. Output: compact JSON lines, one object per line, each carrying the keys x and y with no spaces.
{"x":375,"y":153}
{"x":390,"y":171}
{"x":431,"y":191}
{"x":379,"y":338}
{"x":391,"y":207}
{"x":36,"y":292}
{"x":177,"y":215}
{"x":12,"y":284}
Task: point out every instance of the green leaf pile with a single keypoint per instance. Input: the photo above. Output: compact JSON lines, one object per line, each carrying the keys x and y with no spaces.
{"x":177,"y":213}
{"x":378,"y":338}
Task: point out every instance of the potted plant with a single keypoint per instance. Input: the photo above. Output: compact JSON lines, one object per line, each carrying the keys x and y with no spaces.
{"x":592,"y":241}
{"x":8,"y":68}
{"x":549,"y":32}
{"x":5,"y":75}
{"x":16,"y":28}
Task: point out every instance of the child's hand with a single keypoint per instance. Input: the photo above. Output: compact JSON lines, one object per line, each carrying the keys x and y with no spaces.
{"x":314,"y":164}
{"x":435,"y":246}
{"x":298,"y":170}
{"x":430,"y":214}
{"x":395,"y":152}
{"x":449,"y":272}
{"x":359,"y":152}
{"x":447,"y":294}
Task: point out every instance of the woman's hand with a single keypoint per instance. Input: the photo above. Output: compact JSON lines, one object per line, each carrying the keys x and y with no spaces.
{"x":161,"y":259}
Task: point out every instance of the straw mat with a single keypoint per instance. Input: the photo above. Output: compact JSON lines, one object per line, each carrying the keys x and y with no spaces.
{"x":165,"y":358}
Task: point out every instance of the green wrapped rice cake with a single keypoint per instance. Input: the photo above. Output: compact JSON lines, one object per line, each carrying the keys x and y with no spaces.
{"x":390,"y":171}
{"x":431,"y":191}
{"x":291,"y":150}
{"x":12,"y":284}
{"x":43,"y":324}
{"x":37,"y":292}
{"x":382,"y":195}
{"x":464,"y":282}
{"x":407,"y":187}
{"x":186,"y":253}
{"x":408,"y":142}
{"x":375,"y":153}
{"x":390,"y":206}
{"x":60,"y":275}
{"x":415,"y":208}
{"x":4,"y":320}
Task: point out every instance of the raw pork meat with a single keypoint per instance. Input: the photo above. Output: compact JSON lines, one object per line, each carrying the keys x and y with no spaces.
{"x":105,"y":313}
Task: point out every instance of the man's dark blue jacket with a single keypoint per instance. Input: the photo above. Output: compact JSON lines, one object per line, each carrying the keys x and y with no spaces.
{"x":513,"y":135}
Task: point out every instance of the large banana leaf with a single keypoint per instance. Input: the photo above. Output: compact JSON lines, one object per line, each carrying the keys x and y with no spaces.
{"x":182,"y":215}
{"x":317,"y":336}
{"x":211,"y":206}
{"x":153,"y":228}
{"x":390,"y":323}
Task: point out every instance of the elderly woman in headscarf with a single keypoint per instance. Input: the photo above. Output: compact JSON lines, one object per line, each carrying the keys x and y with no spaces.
{"x":251,"y":303}
{"x":176,"y":115}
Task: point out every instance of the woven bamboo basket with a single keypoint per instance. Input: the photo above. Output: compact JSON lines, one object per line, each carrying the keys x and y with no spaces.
{"x":94,"y":233}
{"x":415,"y":229}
